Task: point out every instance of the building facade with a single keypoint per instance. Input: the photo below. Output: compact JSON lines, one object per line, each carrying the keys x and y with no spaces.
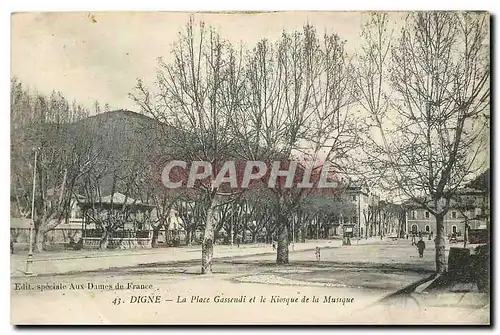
{"x":355,"y":211}
{"x":468,"y":209}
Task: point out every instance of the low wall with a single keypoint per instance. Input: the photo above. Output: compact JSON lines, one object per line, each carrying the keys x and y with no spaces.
{"x":66,"y":235}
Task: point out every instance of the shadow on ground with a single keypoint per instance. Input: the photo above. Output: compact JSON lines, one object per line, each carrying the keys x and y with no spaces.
{"x":357,"y":275}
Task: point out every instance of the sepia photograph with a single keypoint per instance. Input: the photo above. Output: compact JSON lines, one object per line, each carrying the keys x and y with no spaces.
{"x":250,"y":168}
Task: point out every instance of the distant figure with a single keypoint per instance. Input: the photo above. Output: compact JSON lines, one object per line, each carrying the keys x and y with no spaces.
{"x":413,"y":239}
{"x":421,"y":247}
{"x":274,"y":245}
{"x":238,"y":240}
{"x":318,"y":254}
{"x":432,"y":234}
{"x":11,"y":247}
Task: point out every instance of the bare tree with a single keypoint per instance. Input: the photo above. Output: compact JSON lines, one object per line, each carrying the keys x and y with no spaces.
{"x":64,"y":153}
{"x":195,"y":90}
{"x":389,"y":217}
{"x":428,"y":129}
{"x":298,"y":97}
{"x":164,"y":204}
{"x":191,"y":208}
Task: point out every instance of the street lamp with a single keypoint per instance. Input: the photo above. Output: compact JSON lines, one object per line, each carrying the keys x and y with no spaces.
{"x":29,"y":260}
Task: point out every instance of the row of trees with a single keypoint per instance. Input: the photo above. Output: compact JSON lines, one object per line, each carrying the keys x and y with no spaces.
{"x":284,"y":100}
{"x":37,"y":125}
{"x":252,"y":217}
{"x":424,"y":92}
{"x":78,"y":158}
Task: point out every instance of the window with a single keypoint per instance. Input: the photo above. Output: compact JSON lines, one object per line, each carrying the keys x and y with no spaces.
{"x":414,"y":228}
{"x":426,"y":215}
{"x":414,"y":215}
{"x":453,"y":215}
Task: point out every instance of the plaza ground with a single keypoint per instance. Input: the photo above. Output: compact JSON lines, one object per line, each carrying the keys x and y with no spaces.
{"x":344,"y":287}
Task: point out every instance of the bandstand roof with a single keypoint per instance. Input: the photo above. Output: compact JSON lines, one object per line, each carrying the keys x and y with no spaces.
{"x":116,"y":199}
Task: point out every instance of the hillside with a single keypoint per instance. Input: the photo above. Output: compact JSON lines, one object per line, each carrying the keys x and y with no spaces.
{"x":122,"y":127}
{"x":128,"y":143}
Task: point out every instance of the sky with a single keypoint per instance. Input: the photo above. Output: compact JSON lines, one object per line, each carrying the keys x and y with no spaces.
{"x":100,"y":55}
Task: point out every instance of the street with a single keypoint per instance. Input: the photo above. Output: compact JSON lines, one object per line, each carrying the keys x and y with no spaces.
{"x":70,"y":261}
{"x":338,"y":289}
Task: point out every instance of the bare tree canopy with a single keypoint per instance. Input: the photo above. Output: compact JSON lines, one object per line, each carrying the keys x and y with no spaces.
{"x":285,"y":100}
{"x":427,"y":132}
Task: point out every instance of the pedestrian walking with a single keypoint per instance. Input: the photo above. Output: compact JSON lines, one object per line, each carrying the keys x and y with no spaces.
{"x":274,"y":245}
{"x":421,"y":247}
{"x":318,"y":254}
{"x":11,"y":247}
{"x":413,"y":239}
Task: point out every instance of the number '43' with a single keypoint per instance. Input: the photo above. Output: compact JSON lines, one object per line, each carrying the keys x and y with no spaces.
{"x":117,"y":301}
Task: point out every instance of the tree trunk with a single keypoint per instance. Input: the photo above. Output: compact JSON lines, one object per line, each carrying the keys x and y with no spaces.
{"x":244,"y":234}
{"x":188,"y":237}
{"x":38,"y":243}
{"x":301,"y":228}
{"x":317,"y":228}
{"x":466,"y":233}
{"x":440,"y":245}
{"x":154,"y":239}
{"x":282,"y":252}
{"x":103,"y":245}
{"x":207,"y":247}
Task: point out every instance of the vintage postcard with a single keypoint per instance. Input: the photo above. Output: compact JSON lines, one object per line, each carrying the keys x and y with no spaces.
{"x":258,"y":168}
